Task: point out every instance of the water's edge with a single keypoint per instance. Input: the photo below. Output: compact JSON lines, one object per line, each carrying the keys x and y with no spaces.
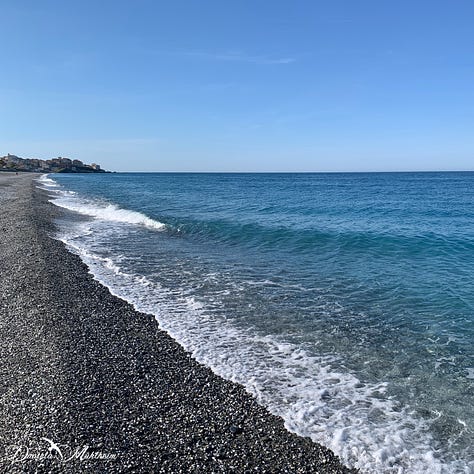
{"x":270,"y":368}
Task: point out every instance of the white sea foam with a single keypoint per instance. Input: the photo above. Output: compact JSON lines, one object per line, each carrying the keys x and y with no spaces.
{"x":99,"y":210}
{"x":46,"y":181}
{"x":108,"y":212}
{"x":314,"y":395}
{"x":356,"y":420}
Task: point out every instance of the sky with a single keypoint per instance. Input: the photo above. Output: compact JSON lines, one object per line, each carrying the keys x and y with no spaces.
{"x":240,"y":85}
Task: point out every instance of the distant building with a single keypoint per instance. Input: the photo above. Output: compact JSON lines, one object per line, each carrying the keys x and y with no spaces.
{"x":55,"y":165}
{"x":13,"y":159}
{"x":65,"y":162}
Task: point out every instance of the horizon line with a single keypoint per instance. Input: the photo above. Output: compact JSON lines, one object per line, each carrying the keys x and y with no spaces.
{"x":299,"y":172}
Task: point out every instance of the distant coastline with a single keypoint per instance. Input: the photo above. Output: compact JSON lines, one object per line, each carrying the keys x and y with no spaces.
{"x":55,"y":165}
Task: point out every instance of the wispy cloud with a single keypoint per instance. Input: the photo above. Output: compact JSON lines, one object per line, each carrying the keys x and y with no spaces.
{"x":236,"y":56}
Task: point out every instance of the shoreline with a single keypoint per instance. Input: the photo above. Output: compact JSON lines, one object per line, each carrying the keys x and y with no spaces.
{"x":83,"y":369}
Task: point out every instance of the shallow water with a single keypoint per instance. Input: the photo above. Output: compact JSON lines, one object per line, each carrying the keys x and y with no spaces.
{"x":344,"y":302}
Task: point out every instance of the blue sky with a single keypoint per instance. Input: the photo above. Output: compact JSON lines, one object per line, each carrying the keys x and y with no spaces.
{"x":240,"y":85}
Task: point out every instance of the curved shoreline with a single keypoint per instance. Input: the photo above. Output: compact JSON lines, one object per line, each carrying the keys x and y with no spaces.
{"x":82,"y":368}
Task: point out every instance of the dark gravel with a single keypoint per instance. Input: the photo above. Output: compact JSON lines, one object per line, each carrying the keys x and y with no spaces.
{"x":82,"y":368}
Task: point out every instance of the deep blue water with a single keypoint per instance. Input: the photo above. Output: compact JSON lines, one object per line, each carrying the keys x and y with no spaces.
{"x":344,"y":302}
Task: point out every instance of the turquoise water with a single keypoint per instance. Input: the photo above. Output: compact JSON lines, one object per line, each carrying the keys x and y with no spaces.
{"x":344,"y":302}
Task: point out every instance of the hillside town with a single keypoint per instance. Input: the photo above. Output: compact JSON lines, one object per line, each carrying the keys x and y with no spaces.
{"x":55,"y":165}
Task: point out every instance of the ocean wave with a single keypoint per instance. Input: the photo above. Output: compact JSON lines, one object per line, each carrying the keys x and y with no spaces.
{"x":97,"y":209}
{"x":367,"y":429}
{"x":343,"y":364}
{"x":303,"y":240}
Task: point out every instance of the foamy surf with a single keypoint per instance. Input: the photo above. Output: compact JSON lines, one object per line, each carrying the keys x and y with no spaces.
{"x":46,"y":181}
{"x":98,"y":210}
{"x":356,"y":420}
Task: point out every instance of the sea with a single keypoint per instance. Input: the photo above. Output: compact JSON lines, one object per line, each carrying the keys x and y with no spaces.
{"x":343,"y":302}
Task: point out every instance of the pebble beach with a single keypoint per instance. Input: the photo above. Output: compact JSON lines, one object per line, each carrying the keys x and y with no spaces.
{"x":88,"y":384}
